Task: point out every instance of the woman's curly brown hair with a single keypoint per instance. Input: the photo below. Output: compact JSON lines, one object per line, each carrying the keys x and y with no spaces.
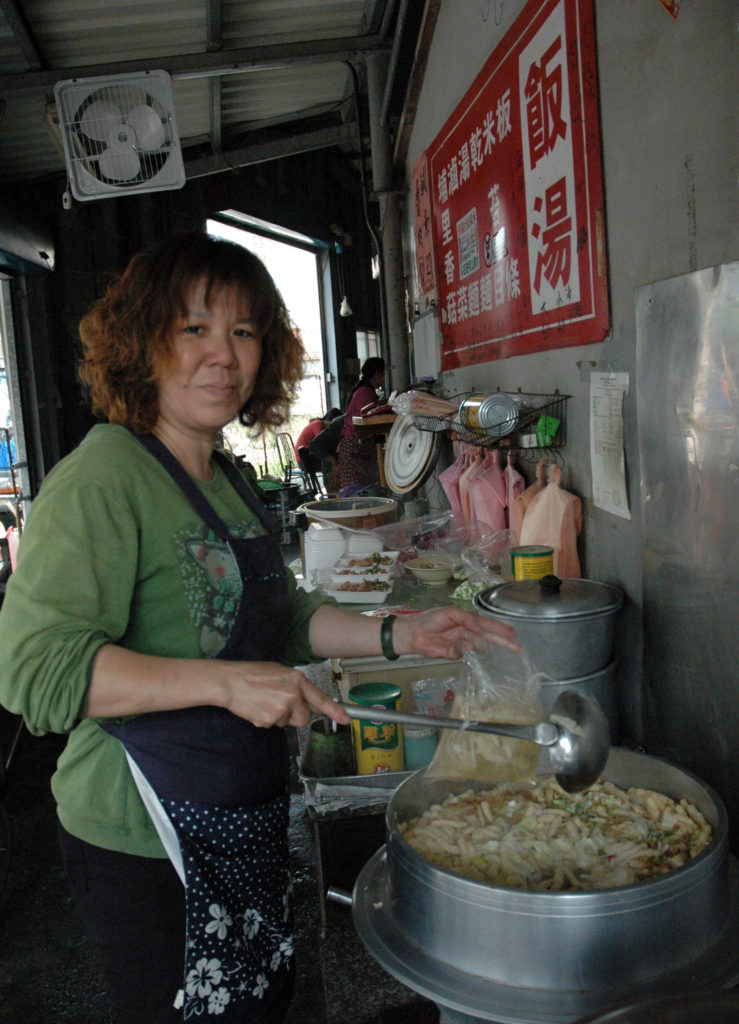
{"x":127,"y":335}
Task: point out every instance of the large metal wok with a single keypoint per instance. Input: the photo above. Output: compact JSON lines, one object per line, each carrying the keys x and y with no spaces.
{"x":498,"y":954}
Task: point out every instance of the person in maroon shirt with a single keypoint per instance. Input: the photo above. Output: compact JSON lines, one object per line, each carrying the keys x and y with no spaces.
{"x":357,"y":456}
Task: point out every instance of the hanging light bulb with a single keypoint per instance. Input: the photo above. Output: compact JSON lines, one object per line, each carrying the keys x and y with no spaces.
{"x":345,"y":309}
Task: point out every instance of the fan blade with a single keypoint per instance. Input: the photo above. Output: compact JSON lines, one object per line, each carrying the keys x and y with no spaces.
{"x":148,"y":127}
{"x":99,"y":118}
{"x":119,"y":164}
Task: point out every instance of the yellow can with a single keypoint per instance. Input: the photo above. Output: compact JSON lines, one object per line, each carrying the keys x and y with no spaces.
{"x":378,"y":746}
{"x":532,"y":561}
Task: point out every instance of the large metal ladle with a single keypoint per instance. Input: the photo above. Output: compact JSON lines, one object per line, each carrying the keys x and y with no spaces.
{"x":576,"y":734}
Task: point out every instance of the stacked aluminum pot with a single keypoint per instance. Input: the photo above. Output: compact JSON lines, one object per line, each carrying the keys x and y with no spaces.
{"x":566,"y":627}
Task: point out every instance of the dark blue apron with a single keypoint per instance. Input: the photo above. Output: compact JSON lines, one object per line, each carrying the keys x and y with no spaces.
{"x":223,"y":784}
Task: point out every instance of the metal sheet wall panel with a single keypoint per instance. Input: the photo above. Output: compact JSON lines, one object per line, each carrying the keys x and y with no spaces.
{"x":687,"y":368}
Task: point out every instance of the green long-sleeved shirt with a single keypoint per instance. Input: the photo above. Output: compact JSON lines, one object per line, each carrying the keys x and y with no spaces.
{"x":114,"y":553}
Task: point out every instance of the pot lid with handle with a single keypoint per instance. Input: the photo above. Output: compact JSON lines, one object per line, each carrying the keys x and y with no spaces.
{"x":550,"y":598}
{"x":410,"y":456}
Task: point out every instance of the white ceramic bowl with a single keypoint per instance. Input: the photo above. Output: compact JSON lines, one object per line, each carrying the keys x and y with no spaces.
{"x":431,"y":571}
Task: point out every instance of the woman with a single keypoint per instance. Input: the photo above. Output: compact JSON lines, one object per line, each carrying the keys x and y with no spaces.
{"x":152,"y":619}
{"x":357,"y":456}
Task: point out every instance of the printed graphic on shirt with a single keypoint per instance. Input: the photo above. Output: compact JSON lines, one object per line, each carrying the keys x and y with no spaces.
{"x":212,"y":583}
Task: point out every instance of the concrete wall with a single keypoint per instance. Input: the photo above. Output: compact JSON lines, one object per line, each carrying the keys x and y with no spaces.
{"x":668,"y":132}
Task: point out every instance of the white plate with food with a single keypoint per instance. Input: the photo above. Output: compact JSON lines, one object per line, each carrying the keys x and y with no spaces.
{"x":349,"y":576}
{"x":377,"y":562}
{"x":364,"y":592}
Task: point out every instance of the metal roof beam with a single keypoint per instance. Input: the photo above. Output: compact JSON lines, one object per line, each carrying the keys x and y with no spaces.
{"x":18,"y":25}
{"x":339,"y":135}
{"x":214,"y":19}
{"x":220,"y":63}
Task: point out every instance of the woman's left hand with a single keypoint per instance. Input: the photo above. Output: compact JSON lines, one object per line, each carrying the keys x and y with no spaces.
{"x":449,"y":632}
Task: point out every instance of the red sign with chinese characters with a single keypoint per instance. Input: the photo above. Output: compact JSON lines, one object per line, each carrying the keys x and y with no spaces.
{"x":517,"y":196}
{"x":422,"y":238}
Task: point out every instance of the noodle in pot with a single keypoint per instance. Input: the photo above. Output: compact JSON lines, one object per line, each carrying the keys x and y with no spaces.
{"x":539,"y":837}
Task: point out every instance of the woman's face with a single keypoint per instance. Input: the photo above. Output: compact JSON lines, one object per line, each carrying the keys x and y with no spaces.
{"x":216,"y":353}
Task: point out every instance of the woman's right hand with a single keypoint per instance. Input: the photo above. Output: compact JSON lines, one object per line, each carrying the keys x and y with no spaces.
{"x":267,"y":693}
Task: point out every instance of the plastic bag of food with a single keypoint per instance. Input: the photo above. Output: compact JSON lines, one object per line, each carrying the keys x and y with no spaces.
{"x":483,"y":564}
{"x":487,"y":560}
{"x":434,"y":696}
{"x":497,"y":685}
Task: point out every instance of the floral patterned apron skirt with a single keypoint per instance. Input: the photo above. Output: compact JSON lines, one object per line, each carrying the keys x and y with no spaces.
{"x":216,"y":787}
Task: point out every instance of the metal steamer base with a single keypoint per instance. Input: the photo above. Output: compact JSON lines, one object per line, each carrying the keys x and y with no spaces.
{"x":468,"y":999}
{"x":511,"y":956}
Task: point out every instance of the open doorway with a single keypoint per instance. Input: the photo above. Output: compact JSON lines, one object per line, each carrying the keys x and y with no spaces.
{"x":10,"y":480}
{"x":292,"y":262}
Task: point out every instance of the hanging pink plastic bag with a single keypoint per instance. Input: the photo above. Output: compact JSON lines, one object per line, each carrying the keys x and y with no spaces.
{"x":449,"y":480}
{"x":554,"y":519}
{"x":464,"y":485}
{"x":515,"y":485}
{"x":487,"y":494}
{"x":523,"y":500}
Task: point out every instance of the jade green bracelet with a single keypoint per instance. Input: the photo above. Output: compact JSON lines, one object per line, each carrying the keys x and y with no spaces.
{"x":386,"y":637}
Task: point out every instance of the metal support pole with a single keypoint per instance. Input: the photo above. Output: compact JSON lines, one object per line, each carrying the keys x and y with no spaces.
{"x":390,"y":225}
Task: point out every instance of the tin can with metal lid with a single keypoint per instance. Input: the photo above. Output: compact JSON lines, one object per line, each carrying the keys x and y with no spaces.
{"x":496,"y":414}
{"x":378,"y":746}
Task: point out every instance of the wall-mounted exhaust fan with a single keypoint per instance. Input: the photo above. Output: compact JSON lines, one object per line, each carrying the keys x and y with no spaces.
{"x":119,"y":134}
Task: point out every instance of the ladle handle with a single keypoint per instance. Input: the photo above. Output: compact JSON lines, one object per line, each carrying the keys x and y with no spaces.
{"x":543,"y":733}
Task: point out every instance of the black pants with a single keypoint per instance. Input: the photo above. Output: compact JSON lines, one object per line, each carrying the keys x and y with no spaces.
{"x":134,"y":911}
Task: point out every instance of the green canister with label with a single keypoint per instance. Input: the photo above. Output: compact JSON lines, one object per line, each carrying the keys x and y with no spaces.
{"x":378,"y":746}
{"x":531,"y":562}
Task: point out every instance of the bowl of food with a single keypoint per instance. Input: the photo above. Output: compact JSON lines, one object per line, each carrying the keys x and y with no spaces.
{"x":434,"y":572}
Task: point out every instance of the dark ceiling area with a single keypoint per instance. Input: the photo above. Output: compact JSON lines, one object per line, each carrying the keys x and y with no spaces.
{"x":252,"y":81}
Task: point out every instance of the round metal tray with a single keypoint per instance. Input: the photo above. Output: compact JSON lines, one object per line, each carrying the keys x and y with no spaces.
{"x":485,"y":1000}
{"x":704,"y":1007}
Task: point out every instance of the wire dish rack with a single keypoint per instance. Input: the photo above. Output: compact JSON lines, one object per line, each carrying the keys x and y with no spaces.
{"x":540,"y":424}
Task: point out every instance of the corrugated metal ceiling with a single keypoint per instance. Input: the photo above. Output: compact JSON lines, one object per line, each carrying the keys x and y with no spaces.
{"x":246,"y":73}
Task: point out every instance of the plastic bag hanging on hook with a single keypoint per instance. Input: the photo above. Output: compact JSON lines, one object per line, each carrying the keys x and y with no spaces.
{"x":524,"y":499}
{"x":554,"y":518}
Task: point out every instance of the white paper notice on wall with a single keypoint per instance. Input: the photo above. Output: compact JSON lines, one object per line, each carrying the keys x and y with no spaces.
{"x":607,"y":463}
{"x":426,"y":345}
